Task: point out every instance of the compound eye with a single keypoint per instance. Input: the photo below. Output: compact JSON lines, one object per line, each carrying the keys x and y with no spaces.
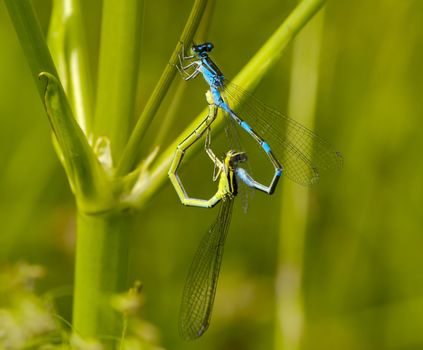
{"x":242,"y":157}
{"x":209,"y":47}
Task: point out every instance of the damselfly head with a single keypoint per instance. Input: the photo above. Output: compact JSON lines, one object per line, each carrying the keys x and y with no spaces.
{"x":232,"y":158}
{"x":202,"y":48}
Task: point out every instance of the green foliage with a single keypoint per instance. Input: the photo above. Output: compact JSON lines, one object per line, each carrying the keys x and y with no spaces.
{"x":25,"y":318}
{"x":29,"y":321}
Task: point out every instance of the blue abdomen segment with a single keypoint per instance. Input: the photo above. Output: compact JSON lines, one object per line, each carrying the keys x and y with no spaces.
{"x":246,"y":127}
{"x":218,"y":100}
{"x":266,"y":147}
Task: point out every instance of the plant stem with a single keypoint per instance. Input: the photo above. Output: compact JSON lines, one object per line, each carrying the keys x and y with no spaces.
{"x":69,"y":49}
{"x":101,"y":270}
{"x":118,"y":68}
{"x":294,"y":211}
{"x":206,"y":20}
{"x":248,"y":78}
{"x":131,"y":154}
{"x":32,"y":40}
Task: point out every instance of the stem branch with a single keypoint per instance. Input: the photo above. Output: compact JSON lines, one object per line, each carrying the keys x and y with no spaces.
{"x":32,"y":40}
{"x":118,"y":71}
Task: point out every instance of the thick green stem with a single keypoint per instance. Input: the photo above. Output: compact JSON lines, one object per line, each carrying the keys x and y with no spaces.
{"x":118,"y":71}
{"x":101,"y":271}
{"x":68,"y":47}
{"x":248,"y":78}
{"x":32,"y":40}
{"x":132,"y":150}
{"x":290,"y":316}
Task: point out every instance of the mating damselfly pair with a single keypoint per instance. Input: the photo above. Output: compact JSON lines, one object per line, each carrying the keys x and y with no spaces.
{"x":292,"y":149}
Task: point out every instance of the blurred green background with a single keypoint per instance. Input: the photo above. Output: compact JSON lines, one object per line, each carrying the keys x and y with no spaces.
{"x":362,"y":278}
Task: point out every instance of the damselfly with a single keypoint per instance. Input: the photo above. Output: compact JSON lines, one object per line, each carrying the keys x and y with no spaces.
{"x":289,"y":145}
{"x":201,"y":283}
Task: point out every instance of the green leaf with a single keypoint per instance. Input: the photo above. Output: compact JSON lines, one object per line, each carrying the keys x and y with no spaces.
{"x":88,"y":178}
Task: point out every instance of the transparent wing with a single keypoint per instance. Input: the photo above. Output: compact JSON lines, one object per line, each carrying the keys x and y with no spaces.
{"x":302,"y":153}
{"x":200,"y":286}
